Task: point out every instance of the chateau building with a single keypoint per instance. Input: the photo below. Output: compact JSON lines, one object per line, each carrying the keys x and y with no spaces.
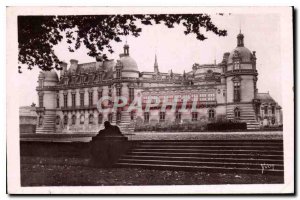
{"x":228,"y":90}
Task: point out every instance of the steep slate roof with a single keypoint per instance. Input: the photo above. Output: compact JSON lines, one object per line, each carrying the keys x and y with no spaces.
{"x":265,"y":97}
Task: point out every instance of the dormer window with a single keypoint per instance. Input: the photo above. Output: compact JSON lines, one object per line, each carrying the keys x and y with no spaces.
{"x":236,"y":65}
{"x":118,"y":73}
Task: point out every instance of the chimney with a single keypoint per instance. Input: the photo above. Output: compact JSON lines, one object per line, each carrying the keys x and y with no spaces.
{"x":225,"y":57}
{"x":99,"y":62}
{"x":64,"y":67}
{"x":74,"y":64}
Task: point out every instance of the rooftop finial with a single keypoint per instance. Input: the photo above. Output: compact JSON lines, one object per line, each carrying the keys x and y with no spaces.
{"x":240,"y":40}
{"x":126,"y":49}
{"x":156,"y":64}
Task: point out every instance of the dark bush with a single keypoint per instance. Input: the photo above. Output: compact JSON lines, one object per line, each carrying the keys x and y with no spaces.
{"x":27,"y":128}
{"x":226,"y":126}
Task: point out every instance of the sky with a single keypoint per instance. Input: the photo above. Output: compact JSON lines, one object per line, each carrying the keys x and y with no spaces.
{"x":179,"y":52}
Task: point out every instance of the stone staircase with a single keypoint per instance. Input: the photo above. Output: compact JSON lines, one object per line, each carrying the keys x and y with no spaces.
{"x":126,"y":125}
{"x":247,"y":115}
{"x":235,"y":156}
{"x":48,"y":125}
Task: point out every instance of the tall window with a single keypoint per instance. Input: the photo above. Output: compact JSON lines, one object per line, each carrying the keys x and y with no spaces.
{"x":178,"y":116}
{"x":81,"y":119}
{"x":90,"y":98}
{"x":41,"y":100}
{"x":81,"y":99}
{"x":273,"y":110}
{"x":236,"y":65}
{"x":211,"y":114}
{"x":65,"y":120}
{"x":194,"y":116}
{"x":237,"y":95}
{"x":73,"y":99}
{"x":162,"y":116}
{"x":57,"y":120}
{"x":91,"y":119}
{"x":118,"y":91}
{"x":57,"y":101}
{"x":118,"y":117}
{"x":131,"y":94}
{"x":40,"y":120}
{"x":266,"y":110}
{"x":73,"y":119}
{"x":237,"y":113}
{"x":109,"y":92}
{"x":146,"y":117}
{"x":100,"y":118}
{"x":100,"y":94}
{"x":118,"y":73}
{"x":65,"y":100}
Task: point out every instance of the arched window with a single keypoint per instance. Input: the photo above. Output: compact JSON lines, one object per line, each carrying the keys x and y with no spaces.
{"x":100,"y":118}
{"x":236,"y":65}
{"x":57,"y":120}
{"x":91,"y":119}
{"x":132,"y":115}
{"x":73,"y":119}
{"x":118,"y":73}
{"x":65,"y":120}
{"x":118,"y":117}
{"x":237,"y":95}
{"x":146,"y":117}
{"x":237,"y":113}
{"x":211,"y":114}
{"x":41,"y":120}
{"x":81,"y":119}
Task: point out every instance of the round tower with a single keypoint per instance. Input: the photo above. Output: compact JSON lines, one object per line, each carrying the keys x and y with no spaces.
{"x":47,"y":96}
{"x":241,"y":76}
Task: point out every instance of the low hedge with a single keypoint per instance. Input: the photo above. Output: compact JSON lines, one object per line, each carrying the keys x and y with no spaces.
{"x":226,"y":126}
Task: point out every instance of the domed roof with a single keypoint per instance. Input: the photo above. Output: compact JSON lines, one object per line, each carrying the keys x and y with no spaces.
{"x":50,"y":75}
{"x":243,"y":52}
{"x":240,"y":51}
{"x":128,"y":63}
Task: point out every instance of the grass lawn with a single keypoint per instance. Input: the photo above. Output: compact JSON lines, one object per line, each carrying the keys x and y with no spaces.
{"x":41,"y":171}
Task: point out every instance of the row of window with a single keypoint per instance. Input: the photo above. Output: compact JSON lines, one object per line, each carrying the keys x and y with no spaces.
{"x":90,"y":99}
{"x":162,"y":116}
{"x":82,"y":118}
{"x":265,"y":108}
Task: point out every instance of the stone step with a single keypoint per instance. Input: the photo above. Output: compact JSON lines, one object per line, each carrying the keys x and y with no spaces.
{"x":200,"y":163}
{"x":204,"y":159}
{"x":213,"y":142}
{"x":204,"y":154}
{"x":200,"y":168}
{"x":215,"y":147}
{"x":225,"y":151}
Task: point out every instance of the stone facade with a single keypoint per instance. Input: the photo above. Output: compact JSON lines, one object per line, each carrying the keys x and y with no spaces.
{"x":27,"y":119}
{"x":68,"y":104}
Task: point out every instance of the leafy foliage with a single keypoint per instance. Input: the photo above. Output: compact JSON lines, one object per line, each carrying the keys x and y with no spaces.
{"x":37,"y":35}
